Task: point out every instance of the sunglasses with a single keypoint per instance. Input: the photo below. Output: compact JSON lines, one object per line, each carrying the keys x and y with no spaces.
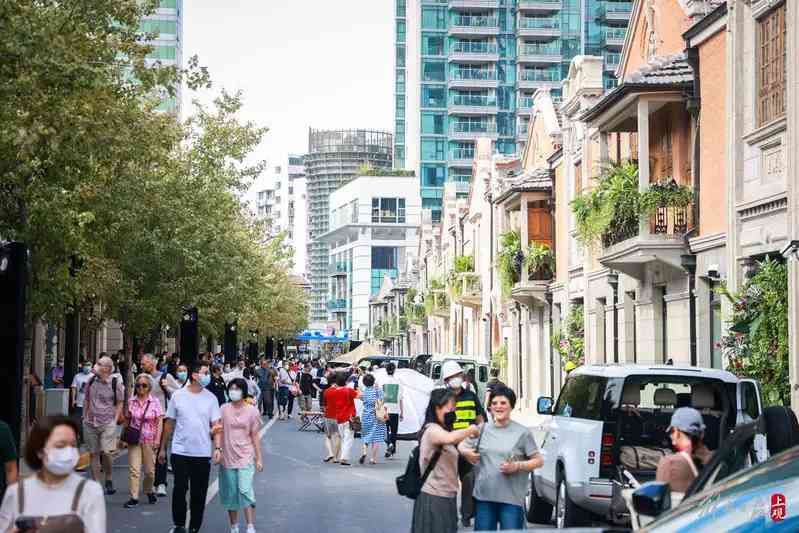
{"x":142,"y":386}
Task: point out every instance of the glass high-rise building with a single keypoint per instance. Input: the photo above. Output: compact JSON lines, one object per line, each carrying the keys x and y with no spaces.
{"x":469,"y":68}
{"x":334,"y":157}
{"x":167,"y":23}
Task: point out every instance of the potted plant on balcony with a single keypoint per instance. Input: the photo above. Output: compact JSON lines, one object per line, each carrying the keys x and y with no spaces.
{"x":499,"y":359}
{"x":509,"y":260}
{"x":462,"y":264}
{"x":539,"y":260}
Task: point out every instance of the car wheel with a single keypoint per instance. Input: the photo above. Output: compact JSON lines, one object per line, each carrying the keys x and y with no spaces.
{"x":567,"y":514}
{"x":782,"y":429}
{"x":538,"y":510}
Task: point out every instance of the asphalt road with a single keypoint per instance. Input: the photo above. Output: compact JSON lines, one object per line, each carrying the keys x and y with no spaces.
{"x":296,"y":492}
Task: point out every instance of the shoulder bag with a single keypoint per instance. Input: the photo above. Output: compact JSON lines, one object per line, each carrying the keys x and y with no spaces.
{"x":66,"y":523}
{"x":132,"y":435}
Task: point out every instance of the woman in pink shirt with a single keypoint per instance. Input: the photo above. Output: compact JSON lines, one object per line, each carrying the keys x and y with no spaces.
{"x":241,"y":455}
{"x":145,"y":414}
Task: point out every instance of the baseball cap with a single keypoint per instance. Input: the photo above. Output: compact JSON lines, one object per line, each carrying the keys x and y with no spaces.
{"x":688,"y":420}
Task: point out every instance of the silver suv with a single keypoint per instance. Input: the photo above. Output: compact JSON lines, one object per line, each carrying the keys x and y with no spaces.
{"x":609,"y":419}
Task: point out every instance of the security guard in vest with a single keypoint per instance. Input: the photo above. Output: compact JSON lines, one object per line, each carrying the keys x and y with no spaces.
{"x":468,"y":411}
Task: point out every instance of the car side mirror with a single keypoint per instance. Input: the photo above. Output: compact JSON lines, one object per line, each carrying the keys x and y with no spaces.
{"x":544,"y":405}
{"x":652,"y":499}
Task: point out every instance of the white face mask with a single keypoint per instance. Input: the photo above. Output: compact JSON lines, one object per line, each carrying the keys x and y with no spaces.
{"x":61,"y":461}
{"x":235,"y":395}
{"x":455,"y":383}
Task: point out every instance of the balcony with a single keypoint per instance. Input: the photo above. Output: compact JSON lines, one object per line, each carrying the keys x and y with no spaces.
{"x":614,"y":11}
{"x":539,"y":6}
{"x":539,"y":53}
{"x":613,"y":37}
{"x":525,"y":104}
{"x":462,"y":187}
{"x":473,"y":130}
{"x":474,"y":78}
{"x":612,"y":60}
{"x":468,"y":51}
{"x":523,"y":131}
{"x":468,"y":25}
{"x":338,"y":269}
{"x":538,"y":27}
{"x":538,"y":78}
{"x":467,"y":289}
{"x":466,"y":104}
{"x":656,"y":240}
{"x":437,"y":303}
{"x":461,"y":158}
{"x":474,"y":4}
{"x":338,"y":305}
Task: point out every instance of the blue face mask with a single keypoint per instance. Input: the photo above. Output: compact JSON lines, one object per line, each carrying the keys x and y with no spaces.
{"x":86,"y":369}
{"x":205,"y":379}
{"x":182,"y":376}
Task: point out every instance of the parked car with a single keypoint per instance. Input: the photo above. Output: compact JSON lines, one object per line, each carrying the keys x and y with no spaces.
{"x":760,"y":498}
{"x":610,"y":418}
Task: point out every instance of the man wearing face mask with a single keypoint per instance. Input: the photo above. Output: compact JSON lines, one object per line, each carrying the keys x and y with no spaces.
{"x":79,"y":388}
{"x":192,"y":413}
{"x":468,"y":411}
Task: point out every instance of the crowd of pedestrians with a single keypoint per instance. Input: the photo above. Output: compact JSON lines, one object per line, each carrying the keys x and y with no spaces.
{"x":187,"y":418}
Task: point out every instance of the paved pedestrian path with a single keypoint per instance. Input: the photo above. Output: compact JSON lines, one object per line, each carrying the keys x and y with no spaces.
{"x":295,"y":492}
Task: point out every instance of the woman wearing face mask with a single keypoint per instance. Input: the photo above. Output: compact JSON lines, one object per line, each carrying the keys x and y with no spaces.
{"x":55,"y":493}
{"x":241,"y":455}
{"x":687,"y":432}
{"x":435,"y":510}
{"x":179,"y":381}
{"x":145,"y":414}
{"x":504,"y":454}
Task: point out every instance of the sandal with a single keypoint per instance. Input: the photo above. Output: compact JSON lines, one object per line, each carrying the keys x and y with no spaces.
{"x":345,"y":463}
{"x":362,"y":459}
{"x":329,"y":459}
{"x":372,"y":462}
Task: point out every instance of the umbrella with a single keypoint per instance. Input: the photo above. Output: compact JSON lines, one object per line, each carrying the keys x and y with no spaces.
{"x":416,"y":388}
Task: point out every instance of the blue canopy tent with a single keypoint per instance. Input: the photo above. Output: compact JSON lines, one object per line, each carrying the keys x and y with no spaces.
{"x":316,"y":335}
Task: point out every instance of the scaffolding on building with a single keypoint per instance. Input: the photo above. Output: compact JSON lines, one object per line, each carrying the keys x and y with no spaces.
{"x":334,"y":158}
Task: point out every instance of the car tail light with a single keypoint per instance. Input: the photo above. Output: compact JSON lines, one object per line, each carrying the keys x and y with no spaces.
{"x":608,"y":440}
{"x":606,"y":459}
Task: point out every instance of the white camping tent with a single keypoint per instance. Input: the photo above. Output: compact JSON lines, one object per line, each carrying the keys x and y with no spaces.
{"x":416,"y":389}
{"x":363,"y":350}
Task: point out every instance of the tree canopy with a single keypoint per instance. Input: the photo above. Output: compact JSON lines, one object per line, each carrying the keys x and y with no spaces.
{"x":149,"y":207}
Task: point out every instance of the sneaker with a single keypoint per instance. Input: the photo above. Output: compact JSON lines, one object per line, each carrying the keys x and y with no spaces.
{"x":131,"y":503}
{"x":161,"y":490}
{"x":250,"y":528}
{"x":152,"y":498}
{"x":234,"y":529}
{"x":109,"y":488}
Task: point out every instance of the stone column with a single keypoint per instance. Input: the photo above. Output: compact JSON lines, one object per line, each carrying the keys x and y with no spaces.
{"x":513,"y":351}
{"x":525,"y":238}
{"x":604,"y":149}
{"x":792,"y":174}
{"x":648,"y":326}
{"x":643,"y":155}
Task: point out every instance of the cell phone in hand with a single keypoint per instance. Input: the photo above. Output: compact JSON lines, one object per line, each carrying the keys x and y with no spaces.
{"x":25,"y":524}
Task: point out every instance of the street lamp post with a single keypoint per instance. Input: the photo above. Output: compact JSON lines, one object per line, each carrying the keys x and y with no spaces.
{"x":72,"y":329}
{"x":189,"y":340}
{"x":613,"y":281}
{"x":13,"y":298}
{"x":230,"y":341}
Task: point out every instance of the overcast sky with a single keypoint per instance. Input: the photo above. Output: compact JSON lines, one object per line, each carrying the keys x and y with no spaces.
{"x":299,"y":63}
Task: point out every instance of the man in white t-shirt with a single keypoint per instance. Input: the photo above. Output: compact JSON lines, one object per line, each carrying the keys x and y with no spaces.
{"x":79,"y":388}
{"x":392,"y":394}
{"x":191,"y":415}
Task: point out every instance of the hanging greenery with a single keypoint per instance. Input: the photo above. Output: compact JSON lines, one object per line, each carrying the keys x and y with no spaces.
{"x":569,"y":340}
{"x":539,"y":259}
{"x":508,"y":265}
{"x":667,"y":193}
{"x":611,"y":208}
{"x":611,"y":211}
{"x":499,"y":359}
{"x":464,"y":263}
{"x":757,"y":343}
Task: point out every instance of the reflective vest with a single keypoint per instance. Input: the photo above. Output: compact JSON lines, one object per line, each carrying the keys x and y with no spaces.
{"x":465,"y":411}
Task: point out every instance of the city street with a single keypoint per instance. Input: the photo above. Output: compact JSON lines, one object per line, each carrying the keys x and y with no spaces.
{"x":295,"y":492}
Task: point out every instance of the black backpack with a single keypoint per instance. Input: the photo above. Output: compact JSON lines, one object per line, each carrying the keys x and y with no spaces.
{"x":411,"y":482}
